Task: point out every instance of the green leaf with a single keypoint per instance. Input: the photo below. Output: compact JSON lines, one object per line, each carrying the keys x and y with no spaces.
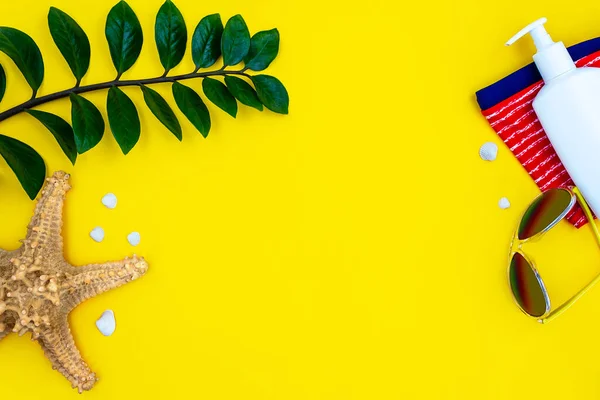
{"x":60,"y":129}
{"x":192,"y":106}
{"x":161,"y":110}
{"x":123,"y":119}
{"x":235,"y":43}
{"x":71,"y":40}
{"x":2,"y":82}
{"x":272,"y":93}
{"x":124,"y":35}
{"x":217,"y":92}
{"x":25,"y":53}
{"x":26,"y":163}
{"x":206,"y":42}
{"x":242,"y":91}
{"x":88,"y":124}
{"x":264,"y":47}
{"x":171,"y":35}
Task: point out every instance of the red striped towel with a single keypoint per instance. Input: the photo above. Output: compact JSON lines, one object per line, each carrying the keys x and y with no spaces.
{"x":516,"y":123}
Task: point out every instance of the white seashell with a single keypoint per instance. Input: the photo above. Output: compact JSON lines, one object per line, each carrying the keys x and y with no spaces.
{"x":110,"y":200}
{"x":488,"y":151}
{"x":106,"y":324}
{"x":134,"y":238}
{"x":97,"y":234}
{"x":504,"y":203}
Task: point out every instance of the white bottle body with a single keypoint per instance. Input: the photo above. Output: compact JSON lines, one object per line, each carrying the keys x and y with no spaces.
{"x":568,"y":108}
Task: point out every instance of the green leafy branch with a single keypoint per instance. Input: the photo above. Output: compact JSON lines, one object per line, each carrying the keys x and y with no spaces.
{"x":210,"y":41}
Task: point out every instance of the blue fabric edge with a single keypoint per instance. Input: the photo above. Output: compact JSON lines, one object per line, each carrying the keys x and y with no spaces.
{"x":523,"y":78}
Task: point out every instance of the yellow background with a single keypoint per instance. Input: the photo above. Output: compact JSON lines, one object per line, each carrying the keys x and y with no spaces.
{"x":351,"y":250}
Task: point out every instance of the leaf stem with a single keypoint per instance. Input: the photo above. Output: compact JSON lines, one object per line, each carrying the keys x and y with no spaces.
{"x":34,"y":102}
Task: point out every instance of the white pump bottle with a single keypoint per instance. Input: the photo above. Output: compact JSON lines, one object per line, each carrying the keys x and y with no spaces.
{"x":568,"y":107}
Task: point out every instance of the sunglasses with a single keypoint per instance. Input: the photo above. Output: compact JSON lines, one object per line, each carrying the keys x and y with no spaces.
{"x":527,"y":287}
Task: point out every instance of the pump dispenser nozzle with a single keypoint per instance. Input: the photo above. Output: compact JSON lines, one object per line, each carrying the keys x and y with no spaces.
{"x":552,"y":59}
{"x":541,"y":38}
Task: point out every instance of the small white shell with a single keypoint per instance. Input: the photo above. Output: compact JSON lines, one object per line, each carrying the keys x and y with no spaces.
{"x":109,"y":201}
{"x":106,"y":324}
{"x":134,"y":238}
{"x":504,"y":203}
{"x":97,"y":234}
{"x":488,"y":151}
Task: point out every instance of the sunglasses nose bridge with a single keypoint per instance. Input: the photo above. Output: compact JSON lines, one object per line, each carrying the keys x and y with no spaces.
{"x":515,"y":244}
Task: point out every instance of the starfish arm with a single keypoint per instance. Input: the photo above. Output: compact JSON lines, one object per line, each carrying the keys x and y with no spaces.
{"x":6,"y":321}
{"x":44,"y":230}
{"x":4,"y":257}
{"x":59,"y":347}
{"x":95,"y":279}
{"x":6,"y":266}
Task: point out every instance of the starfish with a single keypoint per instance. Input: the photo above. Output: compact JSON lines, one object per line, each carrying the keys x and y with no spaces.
{"x":38,"y":288}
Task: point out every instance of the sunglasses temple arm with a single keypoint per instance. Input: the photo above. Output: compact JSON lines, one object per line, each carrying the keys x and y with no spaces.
{"x":570,"y":302}
{"x":588,"y":213}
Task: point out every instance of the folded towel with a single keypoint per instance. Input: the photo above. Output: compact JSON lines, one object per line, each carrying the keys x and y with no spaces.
{"x":507,"y":106}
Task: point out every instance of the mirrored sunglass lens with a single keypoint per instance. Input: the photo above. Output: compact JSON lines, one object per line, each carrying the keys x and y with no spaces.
{"x":527,"y":287}
{"x":544,"y":211}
